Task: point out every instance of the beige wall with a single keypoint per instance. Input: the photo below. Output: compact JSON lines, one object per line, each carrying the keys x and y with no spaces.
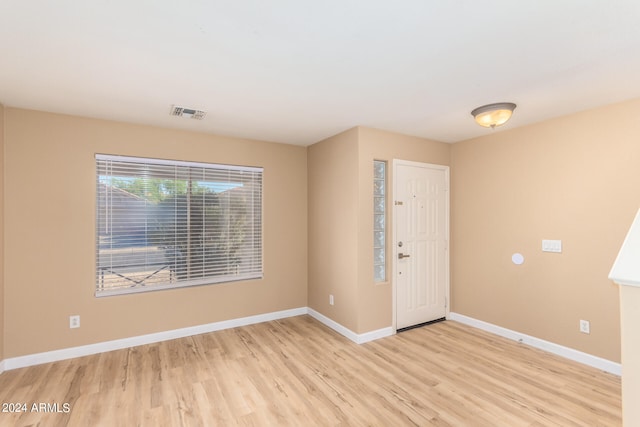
{"x":573,"y":178}
{"x":341,"y":222}
{"x":50,"y":231}
{"x":333,"y":221}
{"x":630,"y":325}
{"x":1,"y":232}
{"x":375,"y":300}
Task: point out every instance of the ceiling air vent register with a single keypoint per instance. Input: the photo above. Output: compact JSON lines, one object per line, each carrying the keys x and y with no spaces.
{"x":189,"y":113}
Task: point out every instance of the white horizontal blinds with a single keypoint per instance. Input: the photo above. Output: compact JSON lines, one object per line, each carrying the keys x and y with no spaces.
{"x":167,"y":224}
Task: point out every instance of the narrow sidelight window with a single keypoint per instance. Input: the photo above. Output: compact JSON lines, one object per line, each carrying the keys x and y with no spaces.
{"x":379,"y":221}
{"x":164,"y":224}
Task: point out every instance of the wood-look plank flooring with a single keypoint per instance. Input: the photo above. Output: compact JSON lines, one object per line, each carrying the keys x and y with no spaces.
{"x":297,"y":372}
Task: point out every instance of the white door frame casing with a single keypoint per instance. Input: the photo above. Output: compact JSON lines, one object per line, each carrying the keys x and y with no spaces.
{"x":394,"y":252}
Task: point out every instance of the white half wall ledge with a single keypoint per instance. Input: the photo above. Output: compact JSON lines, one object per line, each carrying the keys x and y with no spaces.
{"x":560,"y":350}
{"x":626,"y":268}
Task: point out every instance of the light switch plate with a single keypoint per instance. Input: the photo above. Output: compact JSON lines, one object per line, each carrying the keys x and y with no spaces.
{"x":552,"y":246}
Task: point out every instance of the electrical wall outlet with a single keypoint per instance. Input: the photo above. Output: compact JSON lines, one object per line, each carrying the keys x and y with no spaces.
{"x":330,"y":299}
{"x":74,"y":321}
{"x":585,"y":327}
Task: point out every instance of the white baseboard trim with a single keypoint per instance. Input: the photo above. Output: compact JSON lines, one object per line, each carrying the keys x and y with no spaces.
{"x":86,"y":350}
{"x":348,"y":333}
{"x":569,"y":353}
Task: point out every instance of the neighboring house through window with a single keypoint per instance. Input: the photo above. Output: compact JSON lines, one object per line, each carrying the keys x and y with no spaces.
{"x":165,"y":224}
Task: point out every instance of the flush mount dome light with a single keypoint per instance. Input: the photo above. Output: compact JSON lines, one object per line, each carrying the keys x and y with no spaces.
{"x":493,"y":115}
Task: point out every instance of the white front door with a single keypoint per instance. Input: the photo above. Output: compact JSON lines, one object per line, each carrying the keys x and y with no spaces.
{"x":421,"y":234}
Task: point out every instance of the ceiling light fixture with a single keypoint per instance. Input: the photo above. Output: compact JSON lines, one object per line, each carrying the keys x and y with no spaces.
{"x":493,"y":115}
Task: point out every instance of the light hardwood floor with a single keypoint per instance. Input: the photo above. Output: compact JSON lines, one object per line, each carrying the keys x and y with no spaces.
{"x":298,"y":372}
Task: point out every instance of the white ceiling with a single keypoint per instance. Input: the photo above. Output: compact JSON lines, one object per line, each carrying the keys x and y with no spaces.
{"x":298,"y":71}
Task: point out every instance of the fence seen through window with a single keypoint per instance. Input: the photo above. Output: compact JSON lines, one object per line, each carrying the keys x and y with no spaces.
{"x":164,"y":224}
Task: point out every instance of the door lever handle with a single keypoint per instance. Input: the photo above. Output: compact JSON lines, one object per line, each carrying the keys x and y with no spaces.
{"x":401,"y":255}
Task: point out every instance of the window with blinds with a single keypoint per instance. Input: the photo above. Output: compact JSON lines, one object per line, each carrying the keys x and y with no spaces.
{"x":164,"y":224}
